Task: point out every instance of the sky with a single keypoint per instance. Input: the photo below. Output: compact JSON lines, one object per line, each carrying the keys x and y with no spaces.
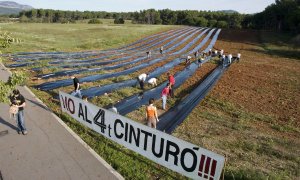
{"x":242,"y":6}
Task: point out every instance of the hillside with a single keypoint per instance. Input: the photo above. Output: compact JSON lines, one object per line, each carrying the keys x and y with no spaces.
{"x":10,"y":7}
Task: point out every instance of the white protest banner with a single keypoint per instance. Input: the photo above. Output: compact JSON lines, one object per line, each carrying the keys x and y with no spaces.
{"x":180,"y":156}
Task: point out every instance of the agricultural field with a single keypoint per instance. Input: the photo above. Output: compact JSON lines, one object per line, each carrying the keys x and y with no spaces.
{"x":251,"y":115}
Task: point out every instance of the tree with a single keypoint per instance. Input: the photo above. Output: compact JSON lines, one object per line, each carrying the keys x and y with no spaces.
{"x":222,"y":24}
{"x":94,"y":21}
{"x":119,"y":21}
{"x":201,"y":21}
{"x":16,"y":78}
{"x":212,"y":23}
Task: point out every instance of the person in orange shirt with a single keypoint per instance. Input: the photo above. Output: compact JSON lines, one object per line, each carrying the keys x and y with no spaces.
{"x":151,"y":114}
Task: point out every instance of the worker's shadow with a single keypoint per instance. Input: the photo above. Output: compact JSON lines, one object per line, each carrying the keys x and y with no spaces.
{"x":6,"y":123}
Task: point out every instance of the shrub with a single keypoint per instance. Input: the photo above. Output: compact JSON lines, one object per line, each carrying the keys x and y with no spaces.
{"x":119,"y":21}
{"x":94,"y":21}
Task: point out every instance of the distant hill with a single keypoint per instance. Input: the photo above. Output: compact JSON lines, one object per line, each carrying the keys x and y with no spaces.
{"x":10,"y":7}
{"x":228,"y":11}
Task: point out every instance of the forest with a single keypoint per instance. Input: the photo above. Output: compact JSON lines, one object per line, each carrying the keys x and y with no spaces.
{"x":283,"y":15}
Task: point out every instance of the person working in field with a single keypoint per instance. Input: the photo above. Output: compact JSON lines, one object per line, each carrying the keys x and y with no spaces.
{"x":141,"y":79}
{"x":153,"y":82}
{"x":161,"y":50}
{"x":209,"y":52}
{"x":171,"y":84}
{"x":200,"y":60}
{"x":215,"y":53}
{"x":196,"y":54}
{"x":85,"y":98}
{"x":229,"y":58}
{"x":238,"y":57}
{"x":151,"y":114}
{"x":164,"y":95}
{"x":112,"y":108}
{"x":76,"y":84}
{"x":221,"y":53}
{"x":188,"y":60}
{"x":148,"y":54}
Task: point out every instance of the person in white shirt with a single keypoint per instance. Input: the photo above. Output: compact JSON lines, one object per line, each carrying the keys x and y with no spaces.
{"x":238,"y":57}
{"x":229,"y":58}
{"x":152,"y":81}
{"x":215,"y":53}
{"x":188,"y":60}
{"x":113,"y":109}
{"x":223,"y":59}
{"x":221,"y":52}
{"x":141,"y":79}
{"x":148,"y":54}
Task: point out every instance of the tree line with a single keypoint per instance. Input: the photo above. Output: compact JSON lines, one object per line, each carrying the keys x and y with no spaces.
{"x":283,"y":15}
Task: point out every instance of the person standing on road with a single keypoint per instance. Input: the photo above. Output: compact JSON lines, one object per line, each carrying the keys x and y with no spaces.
{"x":151,"y":114}
{"x":161,"y":50}
{"x":18,"y":100}
{"x":141,"y":79}
{"x":76,"y":84}
{"x":171,"y":84}
{"x":164,"y":94}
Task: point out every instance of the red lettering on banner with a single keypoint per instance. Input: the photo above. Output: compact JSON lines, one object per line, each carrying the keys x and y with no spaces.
{"x":208,"y":165}
{"x":202,"y":159}
{"x":213,"y":169}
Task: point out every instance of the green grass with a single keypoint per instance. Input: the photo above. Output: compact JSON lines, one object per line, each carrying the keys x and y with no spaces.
{"x":128,"y":163}
{"x":75,"y":37}
{"x":223,"y":127}
{"x":280,"y":44}
{"x":247,"y":138}
{"x":104,"y":21}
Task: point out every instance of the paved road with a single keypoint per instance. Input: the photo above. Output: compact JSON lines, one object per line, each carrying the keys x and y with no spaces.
{"x":49,"y":151}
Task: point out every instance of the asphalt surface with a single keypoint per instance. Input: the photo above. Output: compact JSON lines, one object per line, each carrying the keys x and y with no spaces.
{"x":50,"y":150}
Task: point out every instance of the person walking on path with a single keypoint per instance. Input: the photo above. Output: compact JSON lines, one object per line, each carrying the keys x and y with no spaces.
{"x":141,"y":79}
{"x":18,"y":100}
{"x":153,"y":82}
{"x":151,"y":114}
{"x":76,"y":84}
{"x":171,"y":83}
{"x":161,"y":50}
{"x":164,"y":94}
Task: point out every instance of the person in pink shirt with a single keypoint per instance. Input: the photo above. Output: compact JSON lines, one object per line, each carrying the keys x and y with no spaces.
{"x":164,"y":94}
{"x":172,"y":83}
